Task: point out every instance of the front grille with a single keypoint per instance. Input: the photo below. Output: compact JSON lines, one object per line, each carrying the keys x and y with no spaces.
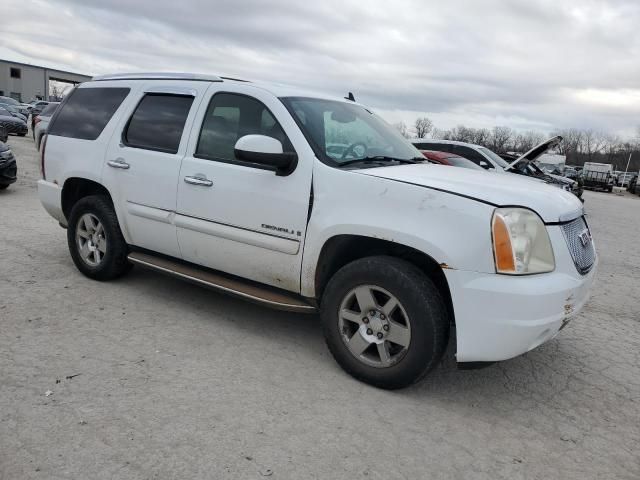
{"x":580,"y":244}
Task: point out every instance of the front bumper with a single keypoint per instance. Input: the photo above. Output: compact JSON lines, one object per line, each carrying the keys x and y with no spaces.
{"x":500,"y":316}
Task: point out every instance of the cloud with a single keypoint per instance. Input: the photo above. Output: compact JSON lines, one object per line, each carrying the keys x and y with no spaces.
{"x":528,"y":64}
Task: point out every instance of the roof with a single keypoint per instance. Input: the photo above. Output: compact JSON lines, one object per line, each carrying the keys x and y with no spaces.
{"x":277,"y":89}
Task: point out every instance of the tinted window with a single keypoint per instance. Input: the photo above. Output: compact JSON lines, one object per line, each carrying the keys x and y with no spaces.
{"x":86,"y":112}
{"x":158,"y":122}
{"x":436,"y":147}
{"x":231,"y":116}
{"x":471,"y":154}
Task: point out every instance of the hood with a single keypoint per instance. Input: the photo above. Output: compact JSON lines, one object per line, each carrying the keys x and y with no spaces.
{"x":561,"y":179}
{"x":536,"y":151}
{"x":551,"y":203}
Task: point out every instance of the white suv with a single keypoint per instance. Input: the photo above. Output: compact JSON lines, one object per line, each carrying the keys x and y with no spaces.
{"x":238,"y":186}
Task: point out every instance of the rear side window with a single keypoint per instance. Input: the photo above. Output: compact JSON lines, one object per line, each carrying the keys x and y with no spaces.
{"x":157,"y":122}
{"x":87,"y":111}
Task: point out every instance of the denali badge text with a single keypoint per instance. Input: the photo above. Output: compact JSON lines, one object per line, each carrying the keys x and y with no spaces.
{"x":280,"y":229}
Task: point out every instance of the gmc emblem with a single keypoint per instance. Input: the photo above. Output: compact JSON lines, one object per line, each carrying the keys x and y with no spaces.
{"x":585,"y":237}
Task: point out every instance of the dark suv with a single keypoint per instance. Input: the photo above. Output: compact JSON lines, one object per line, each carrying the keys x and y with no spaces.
{"x":8,"y":167}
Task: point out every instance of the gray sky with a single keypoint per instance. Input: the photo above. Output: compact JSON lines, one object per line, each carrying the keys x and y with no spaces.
{"x":527,"y":64}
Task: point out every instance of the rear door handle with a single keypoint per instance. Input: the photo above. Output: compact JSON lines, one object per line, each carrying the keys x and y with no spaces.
{"x":118,"y":163}
{"x":200,"y":180}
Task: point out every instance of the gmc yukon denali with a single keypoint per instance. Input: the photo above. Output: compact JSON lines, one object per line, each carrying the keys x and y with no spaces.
{"x":238,"y":186}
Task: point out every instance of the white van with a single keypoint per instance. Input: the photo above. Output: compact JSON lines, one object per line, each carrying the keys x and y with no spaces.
{"x":239,"y":186}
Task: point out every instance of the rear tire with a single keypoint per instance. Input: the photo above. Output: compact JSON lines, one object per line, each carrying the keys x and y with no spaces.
{"x":95,"y":240}
{"x":3,"y":187}
{"x":397,"y":345}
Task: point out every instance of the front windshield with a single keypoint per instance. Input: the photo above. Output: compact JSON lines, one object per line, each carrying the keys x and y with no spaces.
{"x":344,"y":133}
{"x":496,"y":158}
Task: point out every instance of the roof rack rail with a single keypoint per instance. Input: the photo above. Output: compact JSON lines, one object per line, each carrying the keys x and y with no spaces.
{"x":158,"y":76}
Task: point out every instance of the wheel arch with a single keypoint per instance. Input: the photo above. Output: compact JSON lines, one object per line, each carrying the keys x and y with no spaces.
{"x":342,"y":249}
{"x":75,"y":188}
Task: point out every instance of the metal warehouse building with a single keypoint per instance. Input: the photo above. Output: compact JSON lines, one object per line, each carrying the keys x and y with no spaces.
{"x":26,"y":82}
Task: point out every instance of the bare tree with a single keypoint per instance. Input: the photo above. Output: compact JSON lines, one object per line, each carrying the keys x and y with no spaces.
{"x":402,"y":128}
{"x":592,"y":142}
{"x":422,"y":127}
{"x":500,"y":139}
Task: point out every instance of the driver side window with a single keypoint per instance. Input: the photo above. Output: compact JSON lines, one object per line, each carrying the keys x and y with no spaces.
{"x":231,"y":116}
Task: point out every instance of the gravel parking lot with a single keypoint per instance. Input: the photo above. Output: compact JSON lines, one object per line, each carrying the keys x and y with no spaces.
{"x":151,"y":377}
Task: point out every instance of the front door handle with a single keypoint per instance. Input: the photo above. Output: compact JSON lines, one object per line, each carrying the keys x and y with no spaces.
{"x":118,"y":163}
{"x":199,"y":179}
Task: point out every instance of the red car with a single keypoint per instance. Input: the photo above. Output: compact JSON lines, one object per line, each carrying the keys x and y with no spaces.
{"x":445,"y":158}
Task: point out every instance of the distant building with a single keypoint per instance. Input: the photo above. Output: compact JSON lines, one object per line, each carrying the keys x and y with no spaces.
{"x":26,"y":82}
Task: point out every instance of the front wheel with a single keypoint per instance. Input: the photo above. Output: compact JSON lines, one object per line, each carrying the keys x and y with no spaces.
{"x":384,"y":321}
{"x":96,"y":244}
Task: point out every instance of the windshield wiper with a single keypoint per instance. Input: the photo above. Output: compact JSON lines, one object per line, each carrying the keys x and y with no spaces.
{"x":382,"y":159}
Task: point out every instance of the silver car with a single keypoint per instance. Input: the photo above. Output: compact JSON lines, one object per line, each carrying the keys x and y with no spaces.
{"x":41,"y":122}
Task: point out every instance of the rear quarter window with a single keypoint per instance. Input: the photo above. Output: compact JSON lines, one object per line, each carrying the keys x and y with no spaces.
{"x":86,"y":112}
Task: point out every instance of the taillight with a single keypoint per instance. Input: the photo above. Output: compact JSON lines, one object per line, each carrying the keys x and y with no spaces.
{"x":42,"y":149}
{"x":37,"y":120}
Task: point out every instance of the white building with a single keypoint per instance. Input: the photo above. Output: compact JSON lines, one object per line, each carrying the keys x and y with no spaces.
{"x":26,"y":82}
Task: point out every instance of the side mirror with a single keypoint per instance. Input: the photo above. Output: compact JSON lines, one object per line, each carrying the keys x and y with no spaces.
{"x":265,"y":151}
{"x":484,"y":164}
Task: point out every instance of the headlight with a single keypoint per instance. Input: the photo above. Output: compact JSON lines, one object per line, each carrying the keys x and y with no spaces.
{"x":5,"y":155}
{"x":521,"y":243}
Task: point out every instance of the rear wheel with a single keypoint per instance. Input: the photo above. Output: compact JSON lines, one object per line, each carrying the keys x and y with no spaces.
{"x":96,"y":244}
{"x":384,"y":321}
{"x":2,"y":187}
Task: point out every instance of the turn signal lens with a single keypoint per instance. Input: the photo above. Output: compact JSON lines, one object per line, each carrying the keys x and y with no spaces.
{"x":502,"y":246}
{"x":521,"y":242}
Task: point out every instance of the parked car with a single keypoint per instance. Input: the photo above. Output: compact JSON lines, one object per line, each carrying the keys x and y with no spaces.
{"x":4,"y":136}
{"x":624,"y":178}
{"x":41,"y":122}
{"x":230,"y":186}
{"x":633,"y":184}
{"x":12,"y":124}
{"x":14,"y":106}
{"x":36,"y":110}
{"x":444,"y":158}
{"x":598,"y":176}
{"x":522,"y":164}
{"x":6,"y":112}
{"x":37,"y":104}
{"x":8,"y":167}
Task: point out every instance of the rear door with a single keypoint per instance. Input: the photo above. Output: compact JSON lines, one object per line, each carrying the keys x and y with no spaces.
{"x":235,"y":216}
{"x":143,"y":161}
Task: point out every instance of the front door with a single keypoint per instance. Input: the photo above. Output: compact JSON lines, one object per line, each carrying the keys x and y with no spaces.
{"x":238,"y":217}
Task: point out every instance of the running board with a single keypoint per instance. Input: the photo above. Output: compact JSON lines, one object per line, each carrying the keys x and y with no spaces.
{"x":247,"y":290}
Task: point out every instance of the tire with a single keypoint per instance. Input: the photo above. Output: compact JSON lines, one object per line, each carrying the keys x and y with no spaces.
{"x":107,"y":247}
{"x":22,"y":134}
{"x":419,"y":306}
{"x":4,"y":187}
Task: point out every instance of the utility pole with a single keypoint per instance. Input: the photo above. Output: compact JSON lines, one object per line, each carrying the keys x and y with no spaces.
{"x":626,"y":169}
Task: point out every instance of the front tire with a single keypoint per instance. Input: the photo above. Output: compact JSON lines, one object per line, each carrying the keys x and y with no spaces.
{"x":95,"y":241}
{"x":384,"y":321}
